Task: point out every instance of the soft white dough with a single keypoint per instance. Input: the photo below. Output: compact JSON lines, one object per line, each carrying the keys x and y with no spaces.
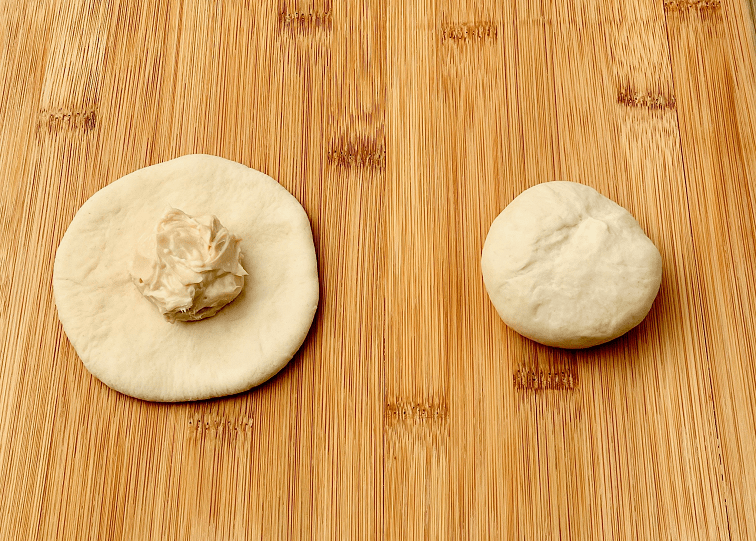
{"x":567,"y":267}
{"x":120,"y":336}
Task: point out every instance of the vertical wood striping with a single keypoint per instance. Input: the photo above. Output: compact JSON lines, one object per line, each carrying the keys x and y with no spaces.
{"x":411,"y":411}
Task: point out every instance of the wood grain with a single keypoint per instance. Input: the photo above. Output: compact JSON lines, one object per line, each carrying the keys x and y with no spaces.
{"x":411,"y":411}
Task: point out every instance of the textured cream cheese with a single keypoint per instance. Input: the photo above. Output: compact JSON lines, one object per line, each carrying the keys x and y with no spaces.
{"x":190,"y":267}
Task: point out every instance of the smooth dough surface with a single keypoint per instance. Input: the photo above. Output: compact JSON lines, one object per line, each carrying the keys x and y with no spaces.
{"x":567,"y":267}
{"x":122,"y":338}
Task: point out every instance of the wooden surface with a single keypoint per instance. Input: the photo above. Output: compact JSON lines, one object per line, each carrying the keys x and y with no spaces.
{"x":404,"y":128}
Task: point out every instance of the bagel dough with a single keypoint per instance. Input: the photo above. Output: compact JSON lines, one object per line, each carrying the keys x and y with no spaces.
{"x":567,"y":267}
{"x":118,"y":333}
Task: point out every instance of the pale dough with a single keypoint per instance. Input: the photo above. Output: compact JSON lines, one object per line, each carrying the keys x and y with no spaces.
{"x":567,"y":267}
{"x":120,"y":336}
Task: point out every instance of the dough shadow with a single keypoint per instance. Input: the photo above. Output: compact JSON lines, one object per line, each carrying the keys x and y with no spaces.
{"x":289,"y":370}
{"x":627,"y":349}
{"x":550,"y":368}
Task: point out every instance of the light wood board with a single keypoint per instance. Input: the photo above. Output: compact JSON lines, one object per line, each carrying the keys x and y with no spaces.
{"x":403,"y":128}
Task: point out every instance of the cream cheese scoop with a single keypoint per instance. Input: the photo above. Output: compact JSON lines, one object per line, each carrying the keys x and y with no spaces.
{"x":190,"y":267}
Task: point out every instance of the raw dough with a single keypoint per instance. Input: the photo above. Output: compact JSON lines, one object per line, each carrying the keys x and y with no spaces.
{"x":567,"y":267}
{"x":120,"y":336}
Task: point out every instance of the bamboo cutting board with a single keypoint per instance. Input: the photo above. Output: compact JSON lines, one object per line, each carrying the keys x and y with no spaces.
{"x":403,"y":128}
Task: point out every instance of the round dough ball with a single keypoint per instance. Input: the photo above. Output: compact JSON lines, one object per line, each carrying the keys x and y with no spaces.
{"x":567,"y":267}
{"x":120,"y":336}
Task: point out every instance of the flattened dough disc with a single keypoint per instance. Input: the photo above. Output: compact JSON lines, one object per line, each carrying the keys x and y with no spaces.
{"x":121,"y":337}
{"x":567,"y":267}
